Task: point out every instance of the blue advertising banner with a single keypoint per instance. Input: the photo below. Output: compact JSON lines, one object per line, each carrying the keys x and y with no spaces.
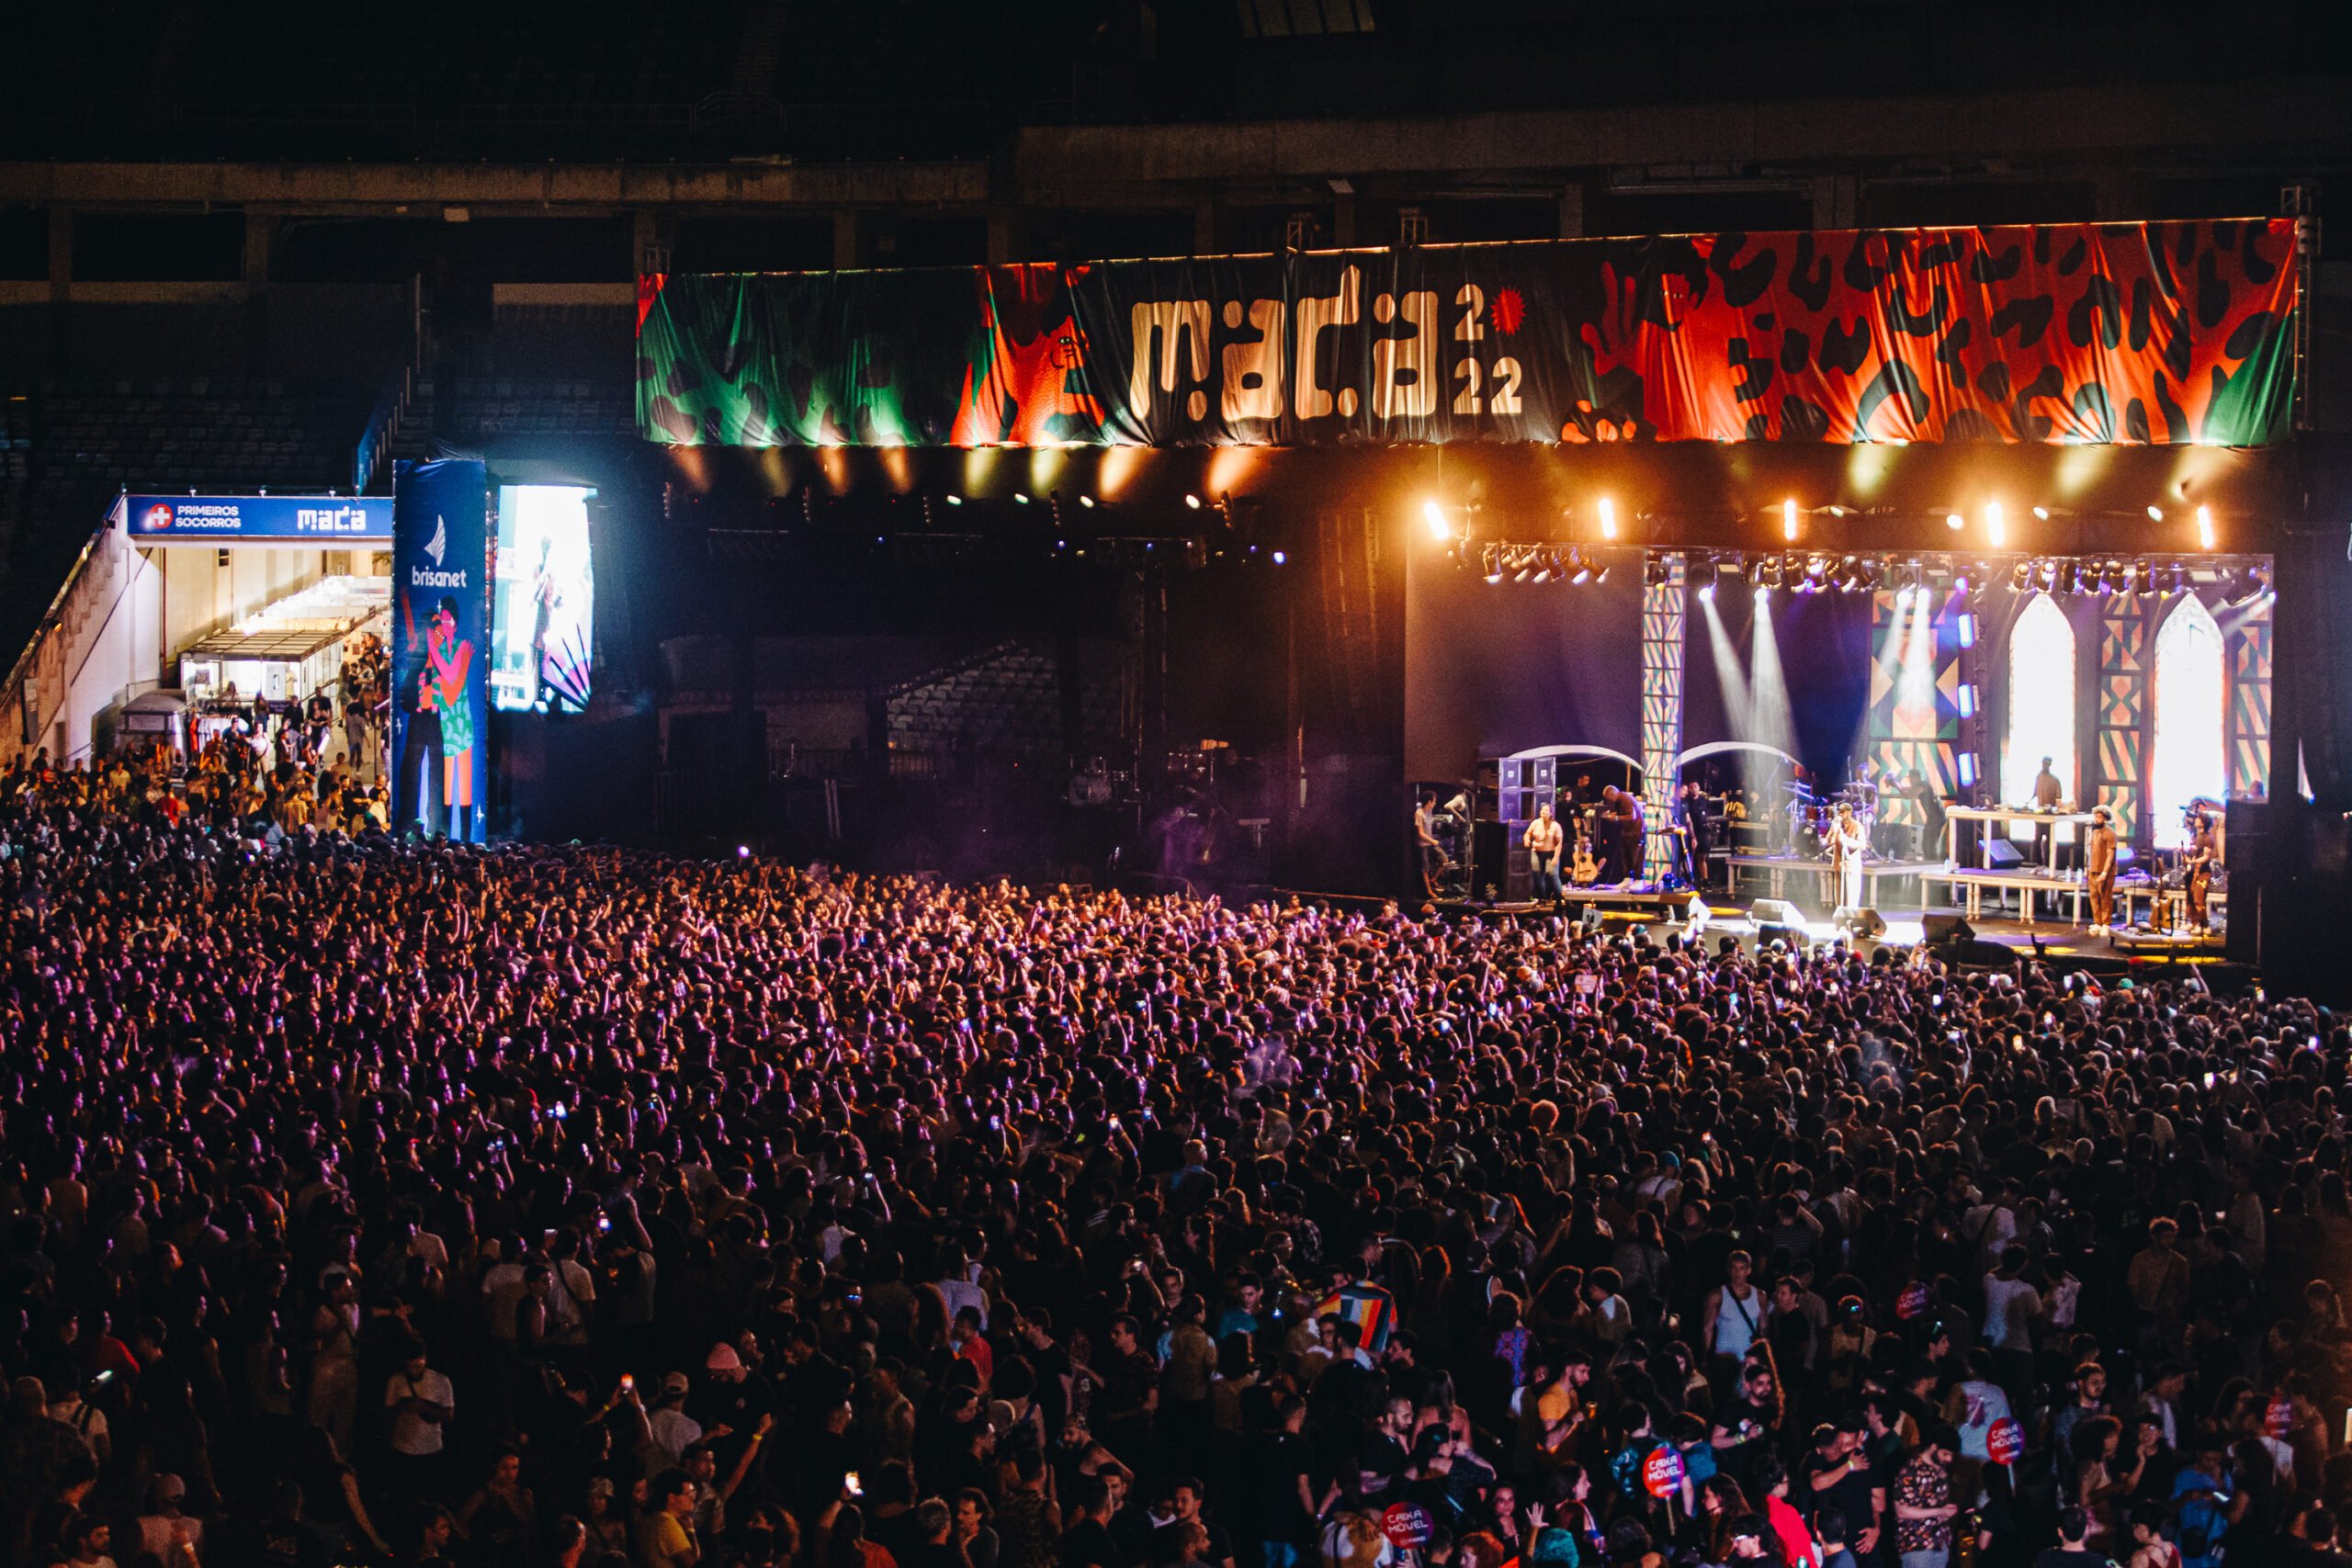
{"x":279,"y":519}
{"x":440,"y":646}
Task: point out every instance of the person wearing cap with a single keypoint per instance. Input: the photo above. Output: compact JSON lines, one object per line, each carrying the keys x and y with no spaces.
{"x":668,"y":1426}
{"x":169,"y":1535}
{"x":2099,"y":870}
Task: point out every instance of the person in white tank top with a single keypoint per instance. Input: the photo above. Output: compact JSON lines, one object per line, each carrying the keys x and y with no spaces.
{"x":1733,"y":1309}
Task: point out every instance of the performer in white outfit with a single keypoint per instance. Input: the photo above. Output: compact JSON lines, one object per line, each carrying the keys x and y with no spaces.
{"x":1847,"y":841}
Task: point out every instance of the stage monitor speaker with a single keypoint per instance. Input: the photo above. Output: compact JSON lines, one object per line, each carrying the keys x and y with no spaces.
{"x":1943,"y":931}
{"x":1590,"y":920}
{"x":1861,"y":920}
{"x":2002,"y":855}
{"x":1774,"y":912}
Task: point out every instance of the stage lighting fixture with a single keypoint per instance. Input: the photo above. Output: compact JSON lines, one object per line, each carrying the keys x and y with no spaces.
{"x":1955,"y":521}
{"x":1022,"y":496}
{"x":2119,"y":577}
{"x":1654,"y":572}
{"x":1967,"y":698}
{"x":1702,"y":578}
{"x":1788,"y":521}
{"x":2257,"y":584}
{"x":1582,"y":569}
{"x":2042,"y":513}
{"x":2143,"y":578}
{"x":1087,"y":500}
{"x":2020,"y":577}
{"x":2048,"y":574}
{"x":1968,"y":770}
{"x":1903,"y":597}
{"x":1608,"y":511}
{"x":1543,"y":570}
{"x":1995,"y":528}
{"x":2155,"y":515}
{"x":1191,"y":501}
{"x":955,"y":500}
{"x":1491,"y":559}
{"x":1281,"y":558}
{"x":1601,"y":576}
{"x":2204,"y":527}
{"x":2180,"y":578}
{"x":1966,"y":627}
{"x":1434,"y":515}
{"x":2070,"y":580}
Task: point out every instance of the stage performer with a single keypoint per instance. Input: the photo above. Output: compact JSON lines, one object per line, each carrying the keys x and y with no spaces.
{"x":1543,"y":838}
{"x":2204,"y":855}
{"x":1621,"y":835}
{"x":1848,"y":841}
{"x":2099,"y":870}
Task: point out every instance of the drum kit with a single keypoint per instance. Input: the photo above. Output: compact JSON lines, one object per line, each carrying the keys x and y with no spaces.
{"x":1812,"y":814}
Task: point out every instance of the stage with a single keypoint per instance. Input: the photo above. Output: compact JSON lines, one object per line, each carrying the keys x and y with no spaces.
{"x":1717,"y":916}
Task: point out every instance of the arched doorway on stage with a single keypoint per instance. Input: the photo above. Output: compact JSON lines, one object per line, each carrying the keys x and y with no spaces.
{"x":2190,"y":761}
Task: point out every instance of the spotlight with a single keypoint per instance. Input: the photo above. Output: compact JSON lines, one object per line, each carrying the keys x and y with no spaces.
{"x":1955,"y":521}
{"x":1583,"y":572}
{"x":2180,"y":578}
{"x":1968,"y":770}
{"x":1995,"y":528}
{"x":1788,"y":521}
{"x":1543,"y":572}
{"x":2070,"y":579}
{"x":1702,"y":578}
{"x":1491,"y":559}
{"x":2020,"y":577}
{"x":1022,"y":496}
{"x":1654,"y":572}
{"x":2042,"y":513}
{"x":2155,"y":515}
{"x":1608,"y":510}
{"x":1775,"y":572}
{"x":1085,"y":501}
{"x":2204,"y":528}
{"x":2257,"y":584}
{"x":1967,"y":630}
{"x":1191,"y":501}
{"x":1281,"y":558}
{"x":1967,"y":697}
{"x":1434,"y":515}
{"x":1601,"y":576}
{"x":1526,"y":564}
{"x":953,"y":499}
{"x":2143,"y":578}
{"x":1813,"y":570}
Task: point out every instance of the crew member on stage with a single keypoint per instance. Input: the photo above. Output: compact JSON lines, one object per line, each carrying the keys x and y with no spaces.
{"x":1425,"y":844}
{"x":1620,"y":825}
{"x":1543,"y":838}
{"x":1848,"y":841}
{"x":2204,"y":855}
{"x":1932,"y":817}
{"x":1691,"y":832}
{"x":2047,"y":792}
{"x":2099,"y":870}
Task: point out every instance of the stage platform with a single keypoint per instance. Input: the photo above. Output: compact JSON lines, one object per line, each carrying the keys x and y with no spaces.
{"x":1718,"y":917}
{"x":1777,"y":869}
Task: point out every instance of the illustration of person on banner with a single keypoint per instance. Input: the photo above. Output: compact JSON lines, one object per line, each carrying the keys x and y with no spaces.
{"x":441,"y":690}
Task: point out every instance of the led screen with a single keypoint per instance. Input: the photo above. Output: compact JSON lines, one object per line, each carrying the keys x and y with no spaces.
{"x":545,"y":624}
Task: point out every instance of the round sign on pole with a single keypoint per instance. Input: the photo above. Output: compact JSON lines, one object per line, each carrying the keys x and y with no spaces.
{"x":2278,"y":1417}
{"x":1407,"y":1526}
{"x":1662,"y":1473}
{"x":1913,"y":1302}
{"x":2005,"y":1442}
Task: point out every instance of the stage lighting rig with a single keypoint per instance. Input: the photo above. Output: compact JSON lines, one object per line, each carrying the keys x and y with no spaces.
{"x":2021,"y":577}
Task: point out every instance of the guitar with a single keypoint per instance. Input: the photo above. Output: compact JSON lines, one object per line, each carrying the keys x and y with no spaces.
{"x":1583,"y":871}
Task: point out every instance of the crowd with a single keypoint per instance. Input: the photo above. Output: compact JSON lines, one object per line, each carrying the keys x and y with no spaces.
{"x":372,"y":1201}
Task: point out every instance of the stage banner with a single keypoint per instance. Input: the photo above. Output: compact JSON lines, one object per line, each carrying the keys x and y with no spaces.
{"x":2163,"y":334}
{"x":441,"y":573}
{"x":334,"y":520}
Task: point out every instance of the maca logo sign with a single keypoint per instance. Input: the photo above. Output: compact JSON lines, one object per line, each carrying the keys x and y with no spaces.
{"x":225,"y":519}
